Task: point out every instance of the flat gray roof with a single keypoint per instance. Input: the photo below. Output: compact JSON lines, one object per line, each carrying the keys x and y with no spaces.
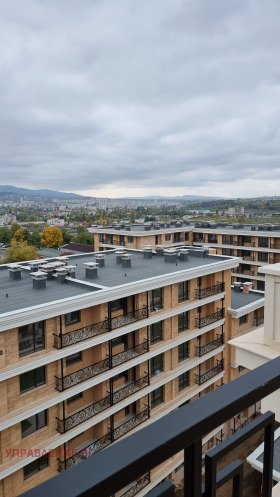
{"x":276,"y":456}
{"x":21,"y":294}
{"x":240,"y":299}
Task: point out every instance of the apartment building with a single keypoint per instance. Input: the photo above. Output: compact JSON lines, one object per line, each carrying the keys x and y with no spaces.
{"x":95,"y":346}
{"x":256,"y":245}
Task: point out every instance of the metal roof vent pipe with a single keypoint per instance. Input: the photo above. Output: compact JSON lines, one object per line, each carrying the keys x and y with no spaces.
{"x":167,"y":225}
{"x":15,"y":273}
{"x":48,"y":269}
{"x":247,"y":286}
{"x":122,"y":226}
{"x":61,"y":274}
{"x":127,"y":228}
{"x":170,"y":255}
{"x":205,"y":251}
{"x":117,"y":227}
{"x":159,"y":251}
{"x":156,"y":226}
{"x":148,"y":252}
{"x":126,"y":260}
{"x":34,"y":265}
{"x":39,"y":280}
{"x":119,"y":255}
{"x":237,"y":286}
{"x":91,"y":269}
{"x":100,"y":258}
{"x":147,"y":227}
{"x":183,"y":255}
{"x":71,"y":271}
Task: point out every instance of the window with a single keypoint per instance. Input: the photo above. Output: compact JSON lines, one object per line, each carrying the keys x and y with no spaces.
{"x":34,"y":423}
{"x":101,"y":238}
{"x":130,"y":239}
{"x":156,"y":397}
{"x":262,"y":257}
{"x":71,"y":359}
{"x":72,"y":317}
{"x":184,"y":380}
{"x":74,"y":398}
{"x":119,"y":340}
{"x":156,"y":300}
{"x":247,"y":239}
{"x":156,"y":332}
{"x":227,"y":239}
{"x":183,"y":321}
{"x":263,"y":242}
{"x":35,"y":466}
{"x":261,"y":285}
{"x":183,"y":291}
{"x":31,"y":338}
{"x":32,"y":379}
{"x":183,"y":351}
{"x":118,"y":305}
{"x":186,"y":237}
{"x":167,"y":238}
{"x":227,"y":252}
{"x":212,"y":239}
{"x":243,"y":320}
{"x":156,"y":364}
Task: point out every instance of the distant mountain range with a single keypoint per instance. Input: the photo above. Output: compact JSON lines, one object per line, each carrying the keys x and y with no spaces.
{"x":13,"y":190}
{"x":187,"y":198}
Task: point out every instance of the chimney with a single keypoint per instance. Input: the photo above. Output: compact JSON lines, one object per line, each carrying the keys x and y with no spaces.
{"x":48,"y":269}
{"x":170,"y":255}
{"x":183,"y":254}
{"x":126,"y":260}
{"x":91,"y":269}
{"x":159,"y":251}
{"x":237,"y":286}
{"x":147,"y":227}
{"x":71,"y":270}
{"x":247,"y":286}
{"x":39,"y":279}
{"x":100,"y":258}
{"x":15,"y":273}
{"x":34,"y":265}
{"x":148,"y":252}
{"x":61,"y":274}
{"x":119,"y":255}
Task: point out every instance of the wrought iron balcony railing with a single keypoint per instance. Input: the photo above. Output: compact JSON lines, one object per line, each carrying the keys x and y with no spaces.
{"x":104,"y":441}
{"x":258,"y":321}
{"x":72,"y":337}
{"x":207,"y":347}
{"x":88,"y":372}
{"x":142,"y":483}
{"x":201,"y":293}
{"x":183,"y":430}
{"x":95,"y":408}
{"x":216,"y":316}
{"x":207,"y":375}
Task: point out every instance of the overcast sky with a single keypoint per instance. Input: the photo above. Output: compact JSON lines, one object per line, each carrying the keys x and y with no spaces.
{"x":141,"y":97}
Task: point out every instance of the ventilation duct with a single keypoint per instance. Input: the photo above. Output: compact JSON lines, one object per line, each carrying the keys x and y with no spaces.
{"x":91,"y":269}
{"x":39,"y":279}
{"x":100,"y":258}
{"x":126,"y":260}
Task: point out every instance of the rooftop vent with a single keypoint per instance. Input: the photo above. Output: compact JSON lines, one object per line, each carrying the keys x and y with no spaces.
{"x":147,"y":227}
{"x":100,"y":258}
{"x":34,"y":265}
{"x":119,"y":255}
{"x":48,"y":269}
{"x":61,"y":274}
{"x":39,"y":279}
{"x":15,"y":273}
{"x":237,"y":286}
{"x":156,"y":226}
{"x":170,"y":255}
{"x":247,"y":286}
{"x":117,"y":227}
{"x":126,"y":260}
{"x":91,"y":269}
{"x":159,"y":251}
{"x":127,"y":228}
{"x":148,"y":252}
{"x":183,"y":254}
{"x":167,"y":225}
{"x":71,"y":271}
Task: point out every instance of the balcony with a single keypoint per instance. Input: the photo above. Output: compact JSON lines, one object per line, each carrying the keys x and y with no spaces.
{"x":103,"y":442}
{"x":90,"y":331}
{"x":142,"y":483}
{"x":211,"y":318}
{"x":97,"y":407}
{"x":258,"y":321}
{"x":210,"y":373}
{"x":202,"y":293}
{"x":128,"y":460}
{"x":93,"y":370}
{"x":208,"y":347}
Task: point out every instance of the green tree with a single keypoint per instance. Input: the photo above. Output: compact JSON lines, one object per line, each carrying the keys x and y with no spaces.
{"x":83,"y":236}
{"x":35,"y":238}
{"x":67,"y":237}
{"x":51,"y":237}
{"x":5,"y":235}
{"x":20,"y":251}
{"x":15,"y":227}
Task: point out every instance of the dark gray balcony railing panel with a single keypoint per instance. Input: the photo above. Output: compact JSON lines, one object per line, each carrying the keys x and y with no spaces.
{"x":92,"y":330}
{"x":207,"y":347}
{"x":216,"y":316}
{"x":202,"y":293}
{"x":142,"y":483}
{"x":95,"y":408}
{"x":88,"y":372}
{"x":210,"y":373}
{"x":123,"y":462}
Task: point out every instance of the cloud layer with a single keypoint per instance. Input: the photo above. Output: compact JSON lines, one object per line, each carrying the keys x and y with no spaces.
{"x":150,"y":96}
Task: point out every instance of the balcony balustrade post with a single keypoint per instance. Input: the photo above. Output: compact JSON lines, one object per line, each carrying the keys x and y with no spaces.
{"x":192,"y":470}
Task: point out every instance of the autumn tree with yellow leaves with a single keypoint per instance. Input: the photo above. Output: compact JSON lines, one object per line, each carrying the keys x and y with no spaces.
{"x":51,"y":237}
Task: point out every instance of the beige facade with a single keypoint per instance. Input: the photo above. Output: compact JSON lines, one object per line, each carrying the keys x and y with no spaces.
{"x":74,"y":382}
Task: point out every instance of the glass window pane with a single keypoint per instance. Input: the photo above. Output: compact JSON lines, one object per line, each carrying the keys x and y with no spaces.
{"x":39,"y":335}
{"x":31,"y":469}
{"x":28,"y":426}
{"x":25,"y":339}
{"x":41,"y":419}
{"x":40,"y":376}
{"x":26,"y":381}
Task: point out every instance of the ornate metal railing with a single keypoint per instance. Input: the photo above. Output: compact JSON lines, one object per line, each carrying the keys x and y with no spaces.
{"x":207,"y":347}
{"x":88,"y":372}
{"x":216,"y":316}
{"x":142,"y":483}
{"x":207,"y":375}
{"x":104,"y":441}
{"x":112,"y":470}
{"x":66,"y":339}
{"x":238,"y":425}
{"x":201,"y":293}
{"x":95,"y":408}
{"x":258,"y":321}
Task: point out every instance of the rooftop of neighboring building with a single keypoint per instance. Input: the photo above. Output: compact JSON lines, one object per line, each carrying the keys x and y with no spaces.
{"x":241,"y":298}
{"x":17,"y":294}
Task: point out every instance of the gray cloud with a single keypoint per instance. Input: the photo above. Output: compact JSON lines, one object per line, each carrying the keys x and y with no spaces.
{"x":152,"y":94}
